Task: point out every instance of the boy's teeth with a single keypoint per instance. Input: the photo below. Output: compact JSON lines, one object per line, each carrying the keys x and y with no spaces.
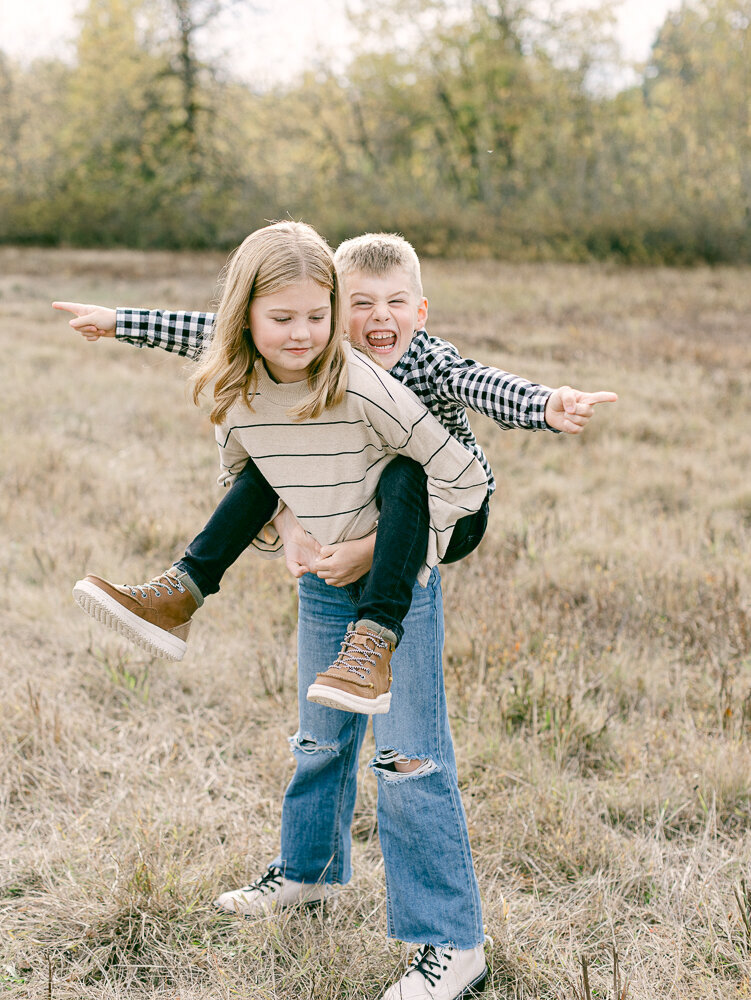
{"x":381,"y":341}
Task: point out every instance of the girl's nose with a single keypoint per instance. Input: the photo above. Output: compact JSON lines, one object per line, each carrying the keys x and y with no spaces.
{"x":299,"y":331}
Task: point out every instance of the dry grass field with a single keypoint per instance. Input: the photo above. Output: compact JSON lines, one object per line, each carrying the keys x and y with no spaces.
{"x":598,"y":658}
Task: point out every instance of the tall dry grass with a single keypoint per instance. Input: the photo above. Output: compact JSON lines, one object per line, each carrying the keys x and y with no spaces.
{"x":597,"y":658}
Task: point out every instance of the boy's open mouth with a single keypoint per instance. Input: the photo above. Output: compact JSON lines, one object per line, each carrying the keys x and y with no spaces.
{"x":381,"y":340}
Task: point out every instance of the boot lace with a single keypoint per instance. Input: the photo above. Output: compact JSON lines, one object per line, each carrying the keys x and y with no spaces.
{"x":429,"y":962}
{"x":268,"y":882}
{"x":157,"y":585}
{"x":356,"y":658}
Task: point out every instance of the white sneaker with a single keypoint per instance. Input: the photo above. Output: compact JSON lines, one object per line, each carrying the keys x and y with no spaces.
{"x":271,"y":892}
{"x":442,"y":974}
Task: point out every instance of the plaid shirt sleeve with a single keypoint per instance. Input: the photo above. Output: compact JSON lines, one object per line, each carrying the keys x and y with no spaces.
{"x":183,"y":333}
{"x":507,"y":399}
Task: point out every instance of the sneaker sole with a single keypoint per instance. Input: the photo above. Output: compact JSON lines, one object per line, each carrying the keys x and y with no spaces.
{"x":266,"y":911}
{"x":105,"y":609}
{"x":475,"y":988}
{"x":322,"y":694}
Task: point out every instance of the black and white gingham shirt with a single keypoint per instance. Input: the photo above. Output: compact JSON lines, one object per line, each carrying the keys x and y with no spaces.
{"x":433,"y":369}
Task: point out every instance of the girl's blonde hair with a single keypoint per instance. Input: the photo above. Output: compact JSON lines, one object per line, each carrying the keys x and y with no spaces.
{"x":268,"y":260}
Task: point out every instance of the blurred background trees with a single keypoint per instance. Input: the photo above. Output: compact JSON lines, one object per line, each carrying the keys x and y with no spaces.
{"x":481,"y":128}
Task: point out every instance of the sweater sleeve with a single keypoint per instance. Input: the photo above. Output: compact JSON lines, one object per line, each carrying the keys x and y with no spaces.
{"x":457,"y":484}
{"x":184,"y":333}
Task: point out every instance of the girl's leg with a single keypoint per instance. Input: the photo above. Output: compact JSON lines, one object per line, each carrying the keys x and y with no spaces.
{"x":320,"y":799}
{"x":237,"y":519}
{"x":431,"y":886}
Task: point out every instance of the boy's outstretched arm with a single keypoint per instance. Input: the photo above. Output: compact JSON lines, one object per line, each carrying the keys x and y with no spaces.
{"x":92,"y":322}
{"x":184,"y":333}
{"x":570,"y":410}
{"x":509,"y":400}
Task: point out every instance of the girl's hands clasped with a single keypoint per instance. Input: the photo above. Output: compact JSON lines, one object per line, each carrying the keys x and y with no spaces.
{"x":345,"y":562}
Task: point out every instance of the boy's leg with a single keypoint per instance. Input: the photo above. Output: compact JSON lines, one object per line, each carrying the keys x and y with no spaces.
{"x":400,"y":546}
{"x":359,"y":678}
{"x":432,"y":892}
{"x":467,"y":534}
{"x":237,"y":519}
{"x":157,"y":614}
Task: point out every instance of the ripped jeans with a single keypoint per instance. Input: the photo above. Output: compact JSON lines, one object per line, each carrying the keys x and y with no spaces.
{"x":431,"y":888}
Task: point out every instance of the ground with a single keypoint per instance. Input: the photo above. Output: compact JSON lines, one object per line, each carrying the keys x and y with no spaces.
{"x":598,"y":657}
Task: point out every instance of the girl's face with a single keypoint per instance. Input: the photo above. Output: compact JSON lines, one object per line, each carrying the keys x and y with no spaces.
{"x":290,"y":328}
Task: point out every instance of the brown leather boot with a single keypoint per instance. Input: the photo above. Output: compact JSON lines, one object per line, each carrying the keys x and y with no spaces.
{"x":360,"y":677}
{"x":155,"y":615}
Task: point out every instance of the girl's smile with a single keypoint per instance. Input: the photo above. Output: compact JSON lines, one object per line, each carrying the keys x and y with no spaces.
{"x":290,"y":328}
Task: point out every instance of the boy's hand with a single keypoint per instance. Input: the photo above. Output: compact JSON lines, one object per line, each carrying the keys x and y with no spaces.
{"x":345,"y":562}
{"x":92,"y":322}
{"x":301,"y":550}
{"x":570,"y":410}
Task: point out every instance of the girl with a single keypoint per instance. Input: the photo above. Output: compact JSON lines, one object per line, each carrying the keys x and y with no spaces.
{"x":321,"y":422}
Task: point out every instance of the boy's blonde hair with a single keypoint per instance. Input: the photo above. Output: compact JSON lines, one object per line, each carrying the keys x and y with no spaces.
{"x":268,"y":260}
{"x":379,"y":253}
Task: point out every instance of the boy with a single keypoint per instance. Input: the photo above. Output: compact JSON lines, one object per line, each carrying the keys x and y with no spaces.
{"x":385,"y":314}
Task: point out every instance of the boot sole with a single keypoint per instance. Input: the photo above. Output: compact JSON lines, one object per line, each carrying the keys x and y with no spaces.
{"x":322,"y":694}
{"x":105,"y":609}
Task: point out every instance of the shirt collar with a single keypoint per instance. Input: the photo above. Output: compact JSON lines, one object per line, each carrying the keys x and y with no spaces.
{"x":417,"y":345}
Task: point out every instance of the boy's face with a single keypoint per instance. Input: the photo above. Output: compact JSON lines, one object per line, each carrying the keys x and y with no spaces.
{"x":382,"y":312}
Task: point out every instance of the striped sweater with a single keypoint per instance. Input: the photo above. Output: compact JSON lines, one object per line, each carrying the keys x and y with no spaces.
{"x":326,"y":470}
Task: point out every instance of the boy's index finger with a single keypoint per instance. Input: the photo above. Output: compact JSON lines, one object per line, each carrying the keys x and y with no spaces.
{"x":598,"y":397}
{"x":77,"y":308}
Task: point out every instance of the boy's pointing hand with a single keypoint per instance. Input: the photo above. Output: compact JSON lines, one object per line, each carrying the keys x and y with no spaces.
{"x":570,"y":410}
{"x":92,"y":322}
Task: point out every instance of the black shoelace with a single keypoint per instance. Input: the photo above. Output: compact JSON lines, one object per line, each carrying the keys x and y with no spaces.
{"x":428,"y":963}
{"x":268,"y":882}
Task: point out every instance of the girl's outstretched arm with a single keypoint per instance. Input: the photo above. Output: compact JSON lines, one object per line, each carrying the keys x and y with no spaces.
{"x":92,"y":322}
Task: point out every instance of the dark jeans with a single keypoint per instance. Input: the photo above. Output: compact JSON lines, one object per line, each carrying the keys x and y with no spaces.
{"x":237,"y":519}
{"x":384,"y":594}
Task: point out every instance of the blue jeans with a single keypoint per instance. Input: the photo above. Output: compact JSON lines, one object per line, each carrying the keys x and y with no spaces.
{"x":431,"y":888}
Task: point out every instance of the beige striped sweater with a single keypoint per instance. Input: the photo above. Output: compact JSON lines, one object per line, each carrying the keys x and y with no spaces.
{"x":326,"y":470}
